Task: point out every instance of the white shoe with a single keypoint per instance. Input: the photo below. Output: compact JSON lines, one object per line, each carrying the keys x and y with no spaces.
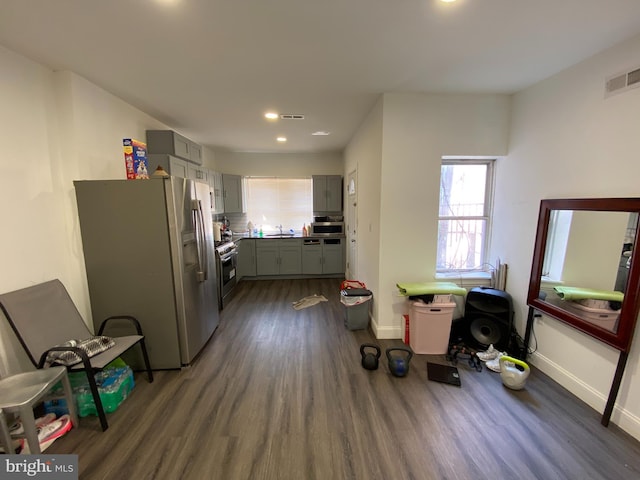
{"x":17,"y":429}
{"x":494,"y":364}
{"x":490,"y":354}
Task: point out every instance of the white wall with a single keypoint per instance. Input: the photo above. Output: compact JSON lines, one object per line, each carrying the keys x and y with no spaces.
{"x":56,"y":128}
{"x":279,"y":164}
{"x":364,"y":154}
{"x":593,"y":249}
{"x":418,"y":130}
{"x":567,"y":141}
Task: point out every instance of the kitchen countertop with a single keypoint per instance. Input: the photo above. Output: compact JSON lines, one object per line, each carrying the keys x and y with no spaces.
{"x":240,"y":236}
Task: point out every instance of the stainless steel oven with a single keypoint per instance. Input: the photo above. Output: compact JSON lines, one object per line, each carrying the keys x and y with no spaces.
{"x":226,"y":265}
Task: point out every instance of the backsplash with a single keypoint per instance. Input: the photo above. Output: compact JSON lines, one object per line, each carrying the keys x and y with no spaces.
{"x":237,"y":221}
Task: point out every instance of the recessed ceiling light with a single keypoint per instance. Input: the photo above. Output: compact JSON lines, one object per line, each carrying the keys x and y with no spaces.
{"x":281,"y":139}
{"x":271,"y":115}
{"x":448,"y":1}
{"x":321,"y":133}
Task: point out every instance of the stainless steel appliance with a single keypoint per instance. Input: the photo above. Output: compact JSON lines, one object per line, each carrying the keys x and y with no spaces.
{"x":327,"y":229}
{"x":226,"y":265}
{"x":148,"y":250}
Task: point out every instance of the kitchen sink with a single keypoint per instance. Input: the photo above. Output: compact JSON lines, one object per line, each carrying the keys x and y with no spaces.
{"x":277,"y":235}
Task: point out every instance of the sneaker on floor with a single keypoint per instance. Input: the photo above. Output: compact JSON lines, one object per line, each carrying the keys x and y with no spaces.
{"x":17,"y":428}
{"x":494,"y":364}
{"x":490,"y":354}
{"x":48,"y":433}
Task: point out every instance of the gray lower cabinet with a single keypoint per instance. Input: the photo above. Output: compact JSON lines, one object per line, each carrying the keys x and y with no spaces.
{"x":322,"y":256}
{"x":267,"y":257}
{"x":333,"y":255}
{"x":290,"y":257}
{"x":278,"y":257}
{"x":172,"y":165}
{"x":311,"y":256}
{"x":246,"y":258}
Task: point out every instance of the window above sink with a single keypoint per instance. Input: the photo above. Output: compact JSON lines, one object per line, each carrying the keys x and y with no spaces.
{"x":275,"y":201}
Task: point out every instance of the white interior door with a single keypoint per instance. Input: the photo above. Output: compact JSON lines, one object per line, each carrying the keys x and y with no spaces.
{"x":352,"y":226}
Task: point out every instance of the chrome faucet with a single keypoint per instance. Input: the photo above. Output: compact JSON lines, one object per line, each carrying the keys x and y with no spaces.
{"x":280,"y":227}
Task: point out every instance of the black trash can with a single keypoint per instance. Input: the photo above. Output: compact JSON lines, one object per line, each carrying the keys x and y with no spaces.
{"x":357,"y":302}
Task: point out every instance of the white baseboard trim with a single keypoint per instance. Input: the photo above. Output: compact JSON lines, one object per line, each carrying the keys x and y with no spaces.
{"x":386,"y":332}
{"x":624,"y":419}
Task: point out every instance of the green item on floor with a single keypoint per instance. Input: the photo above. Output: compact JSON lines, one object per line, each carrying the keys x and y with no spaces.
{"x":430,"y":288}
{"x":577,"y":293}
{"x":117,"y":363}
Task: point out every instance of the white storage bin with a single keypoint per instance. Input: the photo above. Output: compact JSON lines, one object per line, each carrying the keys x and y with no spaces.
{"x":603,"y":317}
{"x":442,"y":298}
{"x":592,"y":303}
{"x":430,"y":327}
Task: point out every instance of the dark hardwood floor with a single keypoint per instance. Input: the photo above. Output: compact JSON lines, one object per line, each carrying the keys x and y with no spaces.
{"x":280,"y":394}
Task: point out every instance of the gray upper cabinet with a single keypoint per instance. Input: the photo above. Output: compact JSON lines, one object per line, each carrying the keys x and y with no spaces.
{"x":172,"y":165}
{"x":172,"y":143}
{"x":233,"y":194}
{"x":195,"y":153}
{"x":197,"y":173}
{"x":217,"y":191}
{"x":327,"y":194}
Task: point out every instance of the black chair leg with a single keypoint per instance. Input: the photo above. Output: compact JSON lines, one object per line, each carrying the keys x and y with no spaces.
{"x":146,"y":360}
{"x":97,"y":400}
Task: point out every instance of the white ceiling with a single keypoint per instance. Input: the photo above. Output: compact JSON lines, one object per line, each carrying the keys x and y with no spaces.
{"x":211,"y":68}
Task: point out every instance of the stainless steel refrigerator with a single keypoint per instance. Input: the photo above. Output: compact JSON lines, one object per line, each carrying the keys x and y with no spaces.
{"x":148,"y":251}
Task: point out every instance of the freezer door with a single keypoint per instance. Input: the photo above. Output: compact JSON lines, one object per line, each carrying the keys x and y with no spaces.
{"x":196,"y":285}
{"x":129,"y":262}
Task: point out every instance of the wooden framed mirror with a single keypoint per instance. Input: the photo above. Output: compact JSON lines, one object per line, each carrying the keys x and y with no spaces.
{"x":584,"y":246}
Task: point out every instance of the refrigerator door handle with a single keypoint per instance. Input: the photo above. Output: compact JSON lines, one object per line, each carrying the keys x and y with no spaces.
{"x":201,"y":247}
{"x":203,"y":243}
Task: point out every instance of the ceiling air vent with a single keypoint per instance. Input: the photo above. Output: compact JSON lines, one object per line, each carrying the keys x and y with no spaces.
{"x":633,"y":77}
{"x":291,"y":116}
{"x":622,"y":82}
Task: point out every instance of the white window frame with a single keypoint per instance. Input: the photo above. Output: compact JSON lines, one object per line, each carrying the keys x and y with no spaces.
{"x":556,"y":247}
{"x":487,"y":212}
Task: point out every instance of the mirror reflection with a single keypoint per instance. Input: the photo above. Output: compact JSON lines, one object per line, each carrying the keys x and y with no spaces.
{"x":585,"y":268}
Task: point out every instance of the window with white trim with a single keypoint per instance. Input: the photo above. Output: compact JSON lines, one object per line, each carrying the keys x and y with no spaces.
{"x":466,"y":192}
{"x":273,"y":201}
